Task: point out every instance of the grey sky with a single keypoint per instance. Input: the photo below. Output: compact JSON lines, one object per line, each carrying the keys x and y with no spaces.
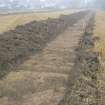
{"x":42,"y":3}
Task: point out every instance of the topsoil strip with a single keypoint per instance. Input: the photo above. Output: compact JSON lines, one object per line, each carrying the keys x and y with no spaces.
{"x":82,"y":85}
{"x":18,"y":44}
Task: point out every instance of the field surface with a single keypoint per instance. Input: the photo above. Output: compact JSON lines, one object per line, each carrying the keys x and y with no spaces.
{"x":8,"y":22}
{"x":42,"y":79}
{"x":99,"y":32}
{"x":63,"y":58}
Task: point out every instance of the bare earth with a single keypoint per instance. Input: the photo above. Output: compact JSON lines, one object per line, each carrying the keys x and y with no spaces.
{"x":42,"y":79}
{"x":8,"y":22}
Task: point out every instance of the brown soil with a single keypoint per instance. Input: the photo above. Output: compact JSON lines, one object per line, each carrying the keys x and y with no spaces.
{"x":83,"y":89}
{"x":18,"y":44}
{"x":43,"y":78}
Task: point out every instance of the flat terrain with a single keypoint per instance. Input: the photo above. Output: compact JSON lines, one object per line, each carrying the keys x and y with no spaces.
{"x":58,"y":61}
{"x":64,"y":58}
{"x":8,"y":22}
{"x":99,"y":32}
{"x":42,"y":79}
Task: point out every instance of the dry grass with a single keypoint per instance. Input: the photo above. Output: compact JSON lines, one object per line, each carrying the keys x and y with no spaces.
{"x":99,"y":31}
{"x":11,"y":21}
{"x":25,"y":84}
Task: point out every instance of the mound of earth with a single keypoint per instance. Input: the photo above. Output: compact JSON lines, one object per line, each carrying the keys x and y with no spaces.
{"x":16,"y":45}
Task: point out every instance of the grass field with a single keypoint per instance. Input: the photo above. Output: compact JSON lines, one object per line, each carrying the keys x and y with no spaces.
{"x":99,"y":31}
{"x":9,"y":22}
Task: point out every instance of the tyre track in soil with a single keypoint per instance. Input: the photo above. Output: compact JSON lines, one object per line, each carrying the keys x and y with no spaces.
{"x":47,"y":72}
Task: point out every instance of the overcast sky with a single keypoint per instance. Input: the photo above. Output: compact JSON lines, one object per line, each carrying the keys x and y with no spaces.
{"x":43,"y":0}
{"x":43,"y":3}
